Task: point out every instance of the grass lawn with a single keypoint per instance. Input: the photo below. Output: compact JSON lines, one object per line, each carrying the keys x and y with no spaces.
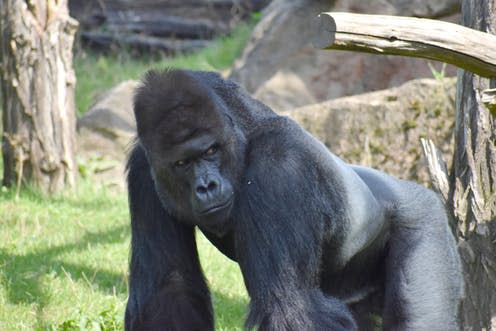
{"x":63,"y":263}
{"x":64,"y":260}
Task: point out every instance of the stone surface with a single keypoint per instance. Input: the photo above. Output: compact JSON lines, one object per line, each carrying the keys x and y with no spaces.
{"x":102,"y":159}
{"x":112,"y":114}
{"x":382,"y":129}
{"x":280,"y":47}
{"x":105,"y":133}
{"x":285,"y":90}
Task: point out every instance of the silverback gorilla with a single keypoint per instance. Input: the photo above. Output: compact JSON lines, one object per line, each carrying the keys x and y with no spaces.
{"x":322,"y":244}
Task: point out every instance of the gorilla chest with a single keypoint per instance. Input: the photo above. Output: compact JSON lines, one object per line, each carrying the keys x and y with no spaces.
{"x":224,"y":244}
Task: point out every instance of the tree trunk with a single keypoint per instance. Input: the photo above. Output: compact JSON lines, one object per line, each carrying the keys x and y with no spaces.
{"x":38,"y":81}
{"x":473,"y":182}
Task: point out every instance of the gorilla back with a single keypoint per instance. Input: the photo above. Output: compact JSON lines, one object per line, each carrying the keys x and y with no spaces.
{"x":322,"y":244}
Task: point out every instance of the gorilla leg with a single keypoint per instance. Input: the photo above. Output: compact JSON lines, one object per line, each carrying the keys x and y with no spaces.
{"x":423,"y":283}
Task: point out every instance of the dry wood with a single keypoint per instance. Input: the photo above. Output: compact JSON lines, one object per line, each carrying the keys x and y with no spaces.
{"x":489,"y":100}
{"x":466,"y":48}
{"x":143,"y":42}
{"x":471,"y":191}
{"x":437,"y":167}
{"x":38,"y":93}
{"x":166,"y":26}
{"x":473,"y":188}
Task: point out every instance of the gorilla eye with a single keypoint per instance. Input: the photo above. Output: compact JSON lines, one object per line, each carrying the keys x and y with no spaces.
{"x":181,"y":163}
{"x":212,"y":150}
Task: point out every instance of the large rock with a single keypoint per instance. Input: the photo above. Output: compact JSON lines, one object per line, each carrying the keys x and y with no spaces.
{"x":101,"y":158}
{"x":280,"y":48}
{"x":382,"y":129}
{"x":105,"y":132}
{"x":112,"y":114}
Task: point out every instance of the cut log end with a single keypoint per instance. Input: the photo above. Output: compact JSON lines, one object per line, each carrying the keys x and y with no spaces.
{"x":325,"y":31}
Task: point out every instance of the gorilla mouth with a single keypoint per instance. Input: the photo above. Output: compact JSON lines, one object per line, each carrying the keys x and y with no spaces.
{"x":218,"y":207}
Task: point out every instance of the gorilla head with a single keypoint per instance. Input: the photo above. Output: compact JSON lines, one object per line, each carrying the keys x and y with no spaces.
{"x":195,"y":151}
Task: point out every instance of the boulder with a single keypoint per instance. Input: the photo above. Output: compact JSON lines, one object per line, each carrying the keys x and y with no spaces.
{"x":280,"y":47}
{"x":285,"y":90}
{"x":101,"y":158}
{"x":382,"y":129}
{"x":112,"y":114}
{"x":104,"y":134}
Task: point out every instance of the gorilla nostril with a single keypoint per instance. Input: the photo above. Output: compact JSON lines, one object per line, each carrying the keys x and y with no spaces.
{"x":204,"y":187}
{"x":212,"y":186}
{"x":201,"y":189}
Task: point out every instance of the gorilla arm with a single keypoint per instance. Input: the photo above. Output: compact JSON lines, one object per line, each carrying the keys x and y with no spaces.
{"x":167,"y":288}
{"x":283,"y":220}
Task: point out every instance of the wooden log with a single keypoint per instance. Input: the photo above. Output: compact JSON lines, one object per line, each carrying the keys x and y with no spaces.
{"x":463,"y":47}
{"x":105,"y":40}
{"x":125,"y":5}
{"x":167,"y":26}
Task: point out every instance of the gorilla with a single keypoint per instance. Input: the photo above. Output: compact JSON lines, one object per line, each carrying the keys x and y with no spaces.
{"x":322,"y":244}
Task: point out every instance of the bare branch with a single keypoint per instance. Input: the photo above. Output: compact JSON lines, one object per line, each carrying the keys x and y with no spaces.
{"x":466,"y":48}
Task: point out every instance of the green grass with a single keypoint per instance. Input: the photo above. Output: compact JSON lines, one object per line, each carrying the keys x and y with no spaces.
{"x":60,"y":257}
{"x":63,"y":263}
{"x":97,"y":73}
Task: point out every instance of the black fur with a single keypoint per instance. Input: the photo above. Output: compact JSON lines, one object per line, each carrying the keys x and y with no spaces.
{"x":322,"y":245}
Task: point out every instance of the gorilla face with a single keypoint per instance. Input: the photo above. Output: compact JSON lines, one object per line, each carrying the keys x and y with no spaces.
{"x":195,"y":174}
{"x":199,"y":160}
{"x":195,"y":152}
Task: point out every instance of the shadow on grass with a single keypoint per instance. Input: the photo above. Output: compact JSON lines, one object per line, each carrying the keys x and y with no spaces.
{"x":24,"y":275}
{"x":24,"y":272}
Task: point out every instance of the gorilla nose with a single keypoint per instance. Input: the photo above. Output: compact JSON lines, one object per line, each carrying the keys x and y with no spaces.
{"x":204,"y":188}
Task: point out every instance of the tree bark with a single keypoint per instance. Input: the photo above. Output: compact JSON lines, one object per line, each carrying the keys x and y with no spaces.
{"x":473,"y":182}
{"x":38,"y":81}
